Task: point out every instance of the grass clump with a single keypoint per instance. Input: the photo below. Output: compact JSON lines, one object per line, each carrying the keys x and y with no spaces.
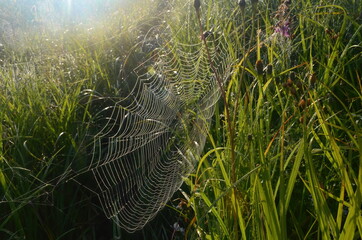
{"x":296,"y":77}
{"x":53,"y":82}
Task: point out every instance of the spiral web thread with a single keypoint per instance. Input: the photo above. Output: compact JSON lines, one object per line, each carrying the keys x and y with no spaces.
{"x":153,"y":137}
{"x":153,"y":134}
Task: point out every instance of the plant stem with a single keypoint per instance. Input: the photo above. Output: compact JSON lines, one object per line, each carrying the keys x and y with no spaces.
{"x":228,"y":122}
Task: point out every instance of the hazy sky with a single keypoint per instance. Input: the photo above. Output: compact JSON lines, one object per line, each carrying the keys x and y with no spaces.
{"x":55,"y":10}
{"x":39,"y":15}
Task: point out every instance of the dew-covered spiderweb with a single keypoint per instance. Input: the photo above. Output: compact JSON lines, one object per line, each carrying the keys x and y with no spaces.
{"x":149,"y":138}
{"x":153,"y":136}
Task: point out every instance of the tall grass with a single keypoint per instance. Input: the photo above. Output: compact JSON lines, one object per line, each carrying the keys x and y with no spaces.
{"x":283,"y":157}
{"x":50,"y":86}
{"x":296,"y":104}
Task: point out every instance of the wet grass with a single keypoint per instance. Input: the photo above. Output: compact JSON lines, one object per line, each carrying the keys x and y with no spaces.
{"x":283,"y":154}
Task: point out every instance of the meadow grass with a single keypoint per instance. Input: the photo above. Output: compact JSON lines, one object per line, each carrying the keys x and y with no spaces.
{"x":295,"y":125}
{"x":50,"y":83}
{"x":283,"y":155}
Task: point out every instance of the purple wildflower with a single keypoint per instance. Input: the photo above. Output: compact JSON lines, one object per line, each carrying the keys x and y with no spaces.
{"x":283,"y":26}
{"x":283,"y":29}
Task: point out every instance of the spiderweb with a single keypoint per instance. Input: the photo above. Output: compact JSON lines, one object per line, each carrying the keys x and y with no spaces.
{"x":152,"y":137}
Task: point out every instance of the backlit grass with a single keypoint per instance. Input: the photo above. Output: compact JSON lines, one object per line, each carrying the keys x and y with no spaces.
{"x":283,"y":154}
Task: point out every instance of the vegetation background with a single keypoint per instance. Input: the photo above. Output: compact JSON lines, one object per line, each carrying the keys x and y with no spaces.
{"x":283,"y":155}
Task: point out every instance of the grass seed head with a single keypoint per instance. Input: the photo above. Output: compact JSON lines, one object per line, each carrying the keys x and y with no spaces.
{"x":302,"y":119}
{"x":259,"y":67}
{"x":302,"y":104}
{"x":242,"y":4}
{"x":309,"y":101}
{"x":197,"y":5}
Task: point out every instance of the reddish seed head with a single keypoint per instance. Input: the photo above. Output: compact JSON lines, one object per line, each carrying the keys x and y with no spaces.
{"x":302,"y":103}
{"x":335,"y":36}
{"x":259,"y":67}
{"x":328,"y":31}
{"x":289,"y":82}
{"x":308,"y":101}
{"x":301,"y":119}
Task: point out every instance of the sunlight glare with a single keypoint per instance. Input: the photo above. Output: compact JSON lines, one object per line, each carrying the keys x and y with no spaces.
{"x":69,"y":6}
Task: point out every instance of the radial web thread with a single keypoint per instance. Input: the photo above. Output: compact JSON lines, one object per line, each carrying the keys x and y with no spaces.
{"x":153,"y":136}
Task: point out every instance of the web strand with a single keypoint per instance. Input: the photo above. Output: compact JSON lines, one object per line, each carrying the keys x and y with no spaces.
{"x":153,"y":137}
